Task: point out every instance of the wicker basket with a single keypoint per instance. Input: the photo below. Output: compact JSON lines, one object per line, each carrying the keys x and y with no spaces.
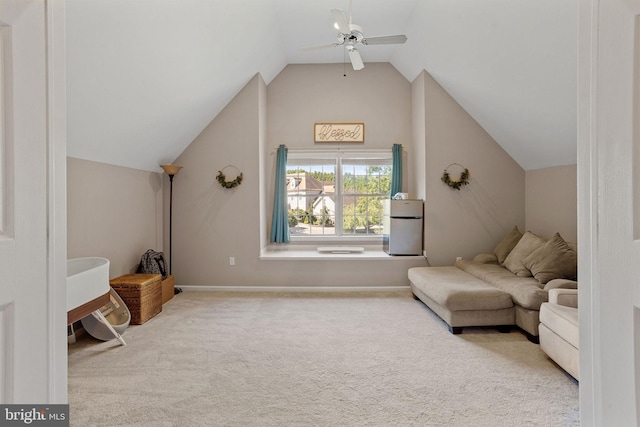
{"x":142,"y":293}
{"x":167,"y":289}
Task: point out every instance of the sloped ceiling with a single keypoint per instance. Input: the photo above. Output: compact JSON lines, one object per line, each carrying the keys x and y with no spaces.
{"x":144,"y":77}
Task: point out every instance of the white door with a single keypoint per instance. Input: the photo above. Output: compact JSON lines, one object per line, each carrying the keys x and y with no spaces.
{"x":609,"y":211}
{"x":32,"y":288}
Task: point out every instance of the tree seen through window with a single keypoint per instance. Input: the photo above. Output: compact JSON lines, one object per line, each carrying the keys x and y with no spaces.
{"x":337,"y":196}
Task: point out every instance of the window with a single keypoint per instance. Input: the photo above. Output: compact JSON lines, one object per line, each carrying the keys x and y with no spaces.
{"x":337,"y":193}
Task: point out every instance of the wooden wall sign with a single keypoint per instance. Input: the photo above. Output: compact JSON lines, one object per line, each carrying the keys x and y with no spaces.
{"x":338,"y":132}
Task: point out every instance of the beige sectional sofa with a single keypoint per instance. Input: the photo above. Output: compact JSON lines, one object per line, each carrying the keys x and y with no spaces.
{"x":559,"y":337}
{"x":504,"y":288}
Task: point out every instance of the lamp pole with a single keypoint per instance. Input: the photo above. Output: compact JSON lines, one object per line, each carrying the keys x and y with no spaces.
{"x":171,"y":170}
{"x":170,"y":220}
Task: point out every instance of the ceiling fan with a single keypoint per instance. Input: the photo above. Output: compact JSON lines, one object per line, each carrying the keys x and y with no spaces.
{"x":350,"y":35}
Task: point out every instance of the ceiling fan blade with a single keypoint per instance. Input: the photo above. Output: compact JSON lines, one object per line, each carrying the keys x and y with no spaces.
{"x":356,"y":60}
{"x":320,"y":46}
{"x":340,"y":20}
{"x":397,"y":39}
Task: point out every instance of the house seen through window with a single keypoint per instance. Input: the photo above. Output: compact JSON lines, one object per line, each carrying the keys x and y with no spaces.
{"x":337,"y":193}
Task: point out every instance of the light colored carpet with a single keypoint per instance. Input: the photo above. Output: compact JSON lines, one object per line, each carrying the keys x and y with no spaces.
{"x":219,"y":359}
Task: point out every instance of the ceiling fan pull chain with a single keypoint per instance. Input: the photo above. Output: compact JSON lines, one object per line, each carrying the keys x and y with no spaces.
{"x":344,"y":62}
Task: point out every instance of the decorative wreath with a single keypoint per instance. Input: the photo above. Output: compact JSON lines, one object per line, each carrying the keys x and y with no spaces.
{"x":222,"y":179}
{"x":463,"y":180}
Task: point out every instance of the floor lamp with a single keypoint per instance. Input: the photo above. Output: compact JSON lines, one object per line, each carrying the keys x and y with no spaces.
{"x":171,"y":170}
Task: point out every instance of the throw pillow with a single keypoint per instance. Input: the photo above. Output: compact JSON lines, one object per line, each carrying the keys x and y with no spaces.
{"x":554,"y":260}
{"x":507,"y":244}
{"x":485,"y":259}
{"x":527,"y":244}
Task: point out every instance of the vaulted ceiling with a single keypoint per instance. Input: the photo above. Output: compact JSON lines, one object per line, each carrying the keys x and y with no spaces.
{"x":144,"y":77}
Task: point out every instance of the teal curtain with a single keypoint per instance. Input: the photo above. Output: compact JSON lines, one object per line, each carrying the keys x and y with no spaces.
{"x":280,"y":220}
{"x":396,"y":170}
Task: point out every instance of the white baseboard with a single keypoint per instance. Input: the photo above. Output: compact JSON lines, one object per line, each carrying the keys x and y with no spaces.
{"x":295,"y":288}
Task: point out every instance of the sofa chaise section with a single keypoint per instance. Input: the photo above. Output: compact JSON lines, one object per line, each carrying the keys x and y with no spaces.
{"x":460,"y":299}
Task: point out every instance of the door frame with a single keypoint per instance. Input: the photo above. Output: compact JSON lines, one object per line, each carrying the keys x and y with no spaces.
{"x":57,"y":200}
{"x":44,"y":152}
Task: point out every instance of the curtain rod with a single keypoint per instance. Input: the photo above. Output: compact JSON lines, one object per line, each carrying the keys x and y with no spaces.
{"x":334,"y":148}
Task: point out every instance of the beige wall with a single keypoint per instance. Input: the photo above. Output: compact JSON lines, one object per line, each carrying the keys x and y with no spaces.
{"x":302,"y":95}
{"x":551,"y":202}
{"x":417,"y":160}
{"x":474,"y":219}
{"x":212,"y":224}
{"x":112,"y":212}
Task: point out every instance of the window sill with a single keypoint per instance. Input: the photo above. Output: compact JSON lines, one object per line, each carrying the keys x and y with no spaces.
{"x":310,"y":253}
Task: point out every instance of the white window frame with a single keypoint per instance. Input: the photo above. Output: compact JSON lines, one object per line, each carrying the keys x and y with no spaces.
{"x":337,"y":155}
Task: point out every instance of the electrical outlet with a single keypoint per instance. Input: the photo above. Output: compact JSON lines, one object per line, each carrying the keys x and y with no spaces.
{"x":458,"y":258}
{"x":232,"y":260}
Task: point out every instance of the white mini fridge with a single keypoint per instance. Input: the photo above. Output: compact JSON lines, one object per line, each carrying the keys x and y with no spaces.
{"x":402,"y":227}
